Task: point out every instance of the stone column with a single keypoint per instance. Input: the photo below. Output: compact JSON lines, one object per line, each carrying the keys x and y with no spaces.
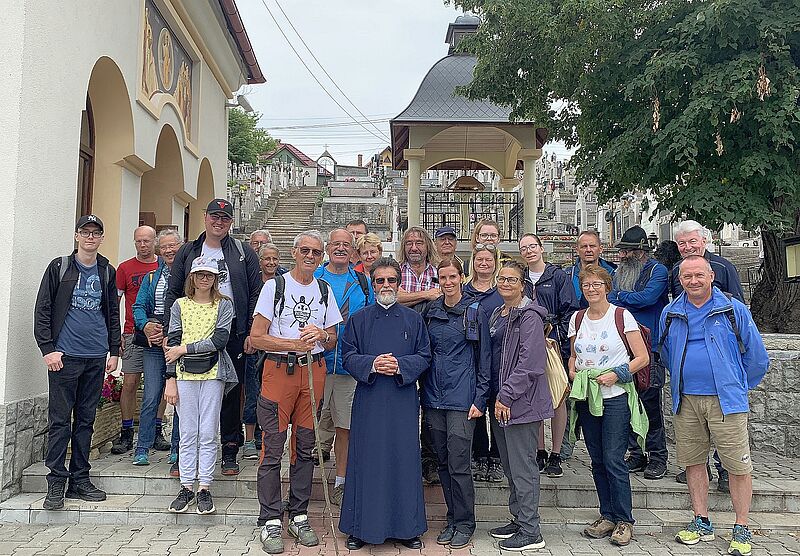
{"x":414,"y":157}
{"x":529,"y":158}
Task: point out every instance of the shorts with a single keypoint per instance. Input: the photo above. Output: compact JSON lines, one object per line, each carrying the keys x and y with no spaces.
{"x":339,"y":392}
{"x":132,"y":356}
{"x":701,"y":422}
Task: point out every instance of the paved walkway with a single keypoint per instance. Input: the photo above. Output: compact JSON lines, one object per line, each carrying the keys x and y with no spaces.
{"x":85,"y":540}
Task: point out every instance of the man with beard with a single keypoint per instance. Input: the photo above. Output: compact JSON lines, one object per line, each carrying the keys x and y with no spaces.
{"x":640,"y":285}
{"x":386,"y":348}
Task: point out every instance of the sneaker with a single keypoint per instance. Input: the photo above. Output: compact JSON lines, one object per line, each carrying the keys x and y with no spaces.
{"x":337,"y":495}
{"x":430,"y":474}
{"x":696,"y":531}
{"x":446,"y":535}
{"x":622,"y":535}
{"x":300,"y":528}
{"x":85,"y":491}
{"x":636,"y":464}
{"x":229,"y":465}
{"x":481,"y":470}
{"x":174,"y":469}
{"x":681,"y":477}
{"x":723,"y":483}
{"x":494,"y":471}
{"x":173,"y":458}
{"x":55,"y":495}
{"x":601,"y":528}
{"x":182,"y":501}
{"x":326,"y":456}
{"x":271,"y":541}
{"x":655,"y":470}
{"x":541,"y":459}
{"x":522,"y":541}
{"x":160,"y":444}
{"x":505,"y":531}
{"x":740,"y":543}
{"x":249,"y":450}
{"x":553,"y":467}
{"x":205,"y":504}
{"x":460,"y":540}
{"x":141,"y":459}
{"x":124,"y":443}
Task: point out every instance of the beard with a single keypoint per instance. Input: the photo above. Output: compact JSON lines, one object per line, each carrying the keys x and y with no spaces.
{"x":387,"y":297}
{"x":627,"y":273}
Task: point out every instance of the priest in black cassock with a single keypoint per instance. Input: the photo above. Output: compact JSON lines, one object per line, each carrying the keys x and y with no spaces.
{"x":385,"y":347}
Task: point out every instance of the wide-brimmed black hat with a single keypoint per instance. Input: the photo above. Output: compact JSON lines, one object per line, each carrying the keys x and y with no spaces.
{"x":634,"y":238}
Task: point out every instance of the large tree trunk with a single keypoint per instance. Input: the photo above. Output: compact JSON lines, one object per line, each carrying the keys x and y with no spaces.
{"x":776,"y":303}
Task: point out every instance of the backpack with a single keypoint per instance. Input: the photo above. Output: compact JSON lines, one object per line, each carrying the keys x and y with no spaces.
{"x":641,"y":378}
{"x":280,"y":294}
{"x":65,"y":264}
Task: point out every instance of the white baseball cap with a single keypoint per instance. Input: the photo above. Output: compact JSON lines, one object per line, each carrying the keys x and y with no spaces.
{"x":205,"y":264}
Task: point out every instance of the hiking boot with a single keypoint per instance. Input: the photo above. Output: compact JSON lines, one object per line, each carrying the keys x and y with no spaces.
{"x":601,"y":528}
{"x":85,"y":491}
{"x":541,"y":459}
{"x":723,"y":483}
{"x":522,"y":541}
{"x":141,"y":459}
{"x":481,"y":470}
{"x":182,"y":501}
{"x":655,"y":470}
{"x":300,"y":528}
{"x":553,"y":467}
{"x":337,"y":495}
{"x":326,"y":456}
{"x":160,"y":443}
{"x":696,"y":531}
{"x":124,"y":443}
{"x":636,"y":464}
{"x":460,"y":540}
{"x":271,"y":541}
{"x":681,"y":477}
{"x":249,"y":450}
{"x":622,"y":535}
{"x":446,"y":535}
{"x":55,"y":495}
{"x":205,"y":504}
{"x":505,"y":531}
{"x":430,"y":474}
{"x":740,"y":542}
{"x":494,"y":471}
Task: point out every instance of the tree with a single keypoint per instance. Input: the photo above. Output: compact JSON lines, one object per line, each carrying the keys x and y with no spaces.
{"x":693,"y":101}
{"x":246,"y":141}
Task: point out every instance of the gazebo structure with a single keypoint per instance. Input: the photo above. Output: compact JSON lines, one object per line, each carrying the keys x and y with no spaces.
{"x":440,"y":130}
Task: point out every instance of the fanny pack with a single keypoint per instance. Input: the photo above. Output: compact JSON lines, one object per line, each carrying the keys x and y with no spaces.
{"x":199,"y":363}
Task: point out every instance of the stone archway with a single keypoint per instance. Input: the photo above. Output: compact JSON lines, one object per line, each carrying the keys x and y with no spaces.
{"x":205,"y":194}
{"x":157,"y":204}
{"x":112,"y":124}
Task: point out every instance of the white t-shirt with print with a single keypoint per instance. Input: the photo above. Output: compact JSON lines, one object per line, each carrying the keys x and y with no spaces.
{"x":302,"y":305}
{"x":215,"y":254}
{"x":599,"y":346}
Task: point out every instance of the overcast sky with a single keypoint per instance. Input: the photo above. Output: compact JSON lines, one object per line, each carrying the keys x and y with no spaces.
{"x":376,"y":51}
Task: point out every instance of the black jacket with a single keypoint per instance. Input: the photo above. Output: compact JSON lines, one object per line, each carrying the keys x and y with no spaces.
{"x":554,"y":292}
{"x":55,"y":297}
{"x":244,"y":272}
{"x":726,"y":277}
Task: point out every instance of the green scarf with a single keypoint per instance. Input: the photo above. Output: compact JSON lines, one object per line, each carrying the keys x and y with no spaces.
{"x":585,"y":388}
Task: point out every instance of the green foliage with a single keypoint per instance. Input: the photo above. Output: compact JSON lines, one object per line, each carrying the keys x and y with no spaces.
{"x":246,"y":141}
{"x":598,"y":73}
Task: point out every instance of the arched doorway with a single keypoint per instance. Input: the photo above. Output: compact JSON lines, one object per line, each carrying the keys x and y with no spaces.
{"x":205,"y":194}
{"x":158,"y":206}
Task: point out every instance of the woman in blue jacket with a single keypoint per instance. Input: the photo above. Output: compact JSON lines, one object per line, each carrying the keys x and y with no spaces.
{"x":454,"y":393}
{"x":551,"y":288}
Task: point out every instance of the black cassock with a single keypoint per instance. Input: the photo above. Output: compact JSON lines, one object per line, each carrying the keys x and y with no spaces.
{"x":383,"y":489}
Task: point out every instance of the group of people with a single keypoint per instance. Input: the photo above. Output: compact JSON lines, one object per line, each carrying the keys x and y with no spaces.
{"x":426,"y":368}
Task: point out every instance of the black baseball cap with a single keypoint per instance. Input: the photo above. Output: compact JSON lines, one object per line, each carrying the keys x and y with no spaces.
{"x":89,"y":219}
{"x":220,"y":205}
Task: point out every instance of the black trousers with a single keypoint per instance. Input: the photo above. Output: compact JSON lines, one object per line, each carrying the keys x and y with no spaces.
{"x":480,"y":440}
{"x":230,"y":418}
{"x":656,"y":441}
{"x":73,"y":399}
{"x":428,"y":454}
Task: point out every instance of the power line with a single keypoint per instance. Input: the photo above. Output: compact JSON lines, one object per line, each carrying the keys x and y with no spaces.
{"x":323,"y":68}
{"x":303,"y":118}
{"x":317,"y":126}
{"x":311,"y":73}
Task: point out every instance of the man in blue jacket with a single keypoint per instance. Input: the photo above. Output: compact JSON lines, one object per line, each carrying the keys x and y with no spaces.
{"x":640,"y":285}
{"x":715,"y":354}
{"x":353,"y":292}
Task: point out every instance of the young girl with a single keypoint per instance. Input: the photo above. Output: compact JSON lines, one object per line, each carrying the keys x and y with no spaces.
{"x":199,"y":372}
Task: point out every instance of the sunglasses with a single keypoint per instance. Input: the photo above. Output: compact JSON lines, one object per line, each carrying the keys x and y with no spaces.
{"x":389,"y":280}
{"x":485,"y":247}
{"x":306,"y":250}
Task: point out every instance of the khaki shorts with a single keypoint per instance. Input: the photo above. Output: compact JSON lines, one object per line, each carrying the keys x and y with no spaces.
{"x":132,"y":356}
{"x":339,"y":392}
{"x":701,"y":422}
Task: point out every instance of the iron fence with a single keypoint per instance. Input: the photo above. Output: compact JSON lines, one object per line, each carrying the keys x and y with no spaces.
{"x":462,"y":210}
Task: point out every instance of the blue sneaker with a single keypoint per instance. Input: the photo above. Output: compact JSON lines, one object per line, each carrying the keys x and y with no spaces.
{"x":740,"y":542}
{"x":173,"y":457}
{"x":695,"y":532}
{"x":141,"y":459}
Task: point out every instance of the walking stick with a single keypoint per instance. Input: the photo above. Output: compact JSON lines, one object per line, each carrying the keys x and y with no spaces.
{"x":319,"y":452}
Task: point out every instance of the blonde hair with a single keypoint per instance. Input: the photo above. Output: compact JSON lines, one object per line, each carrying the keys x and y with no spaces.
{"x":432,"y":258}
{"x":371,"y":240}
{"x":473,"y":274}
{"x":477,"y":230}
{"x":189,"y":289}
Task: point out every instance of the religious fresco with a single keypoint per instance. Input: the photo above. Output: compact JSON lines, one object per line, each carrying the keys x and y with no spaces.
{"x":166,"y":66}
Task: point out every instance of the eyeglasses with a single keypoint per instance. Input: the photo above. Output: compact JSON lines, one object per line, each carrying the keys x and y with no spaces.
{"x":486,"y":236}
{"x":256,"y":244}
{"x":170,"y":246}
{"x":274,"y":259}
{"x":389,"y":280}
{"x":306,"y":250}
{"x":143,"y":241}
{"x":485,"y":247}
{"x":339,"y":244}
{"x":512,"y":280}
{"x":207,"y":276}
{"x":90,"y":233}
{"x":531,"y":247}
{"x":593,"y":285}
{"x":220,"y":218}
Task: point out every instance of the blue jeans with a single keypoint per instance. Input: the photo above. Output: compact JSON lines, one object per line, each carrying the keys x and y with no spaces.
{"x":606,"y":440}
{"x":155,"y":368}
{"x":251,"y":388}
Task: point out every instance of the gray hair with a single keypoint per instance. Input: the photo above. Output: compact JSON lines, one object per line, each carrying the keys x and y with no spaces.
{"x":264,"y":233}
{"x":386,"y":262}
{"x":313,"y":234}
{"x":271,"y":246}
{"x":352,"y":239}
{"x":169,"y":232}
{"x":689,"y":227}
{"x":695,"y":258}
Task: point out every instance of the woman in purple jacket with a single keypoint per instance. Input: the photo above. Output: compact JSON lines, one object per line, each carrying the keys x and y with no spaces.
{"x":523,"y":402}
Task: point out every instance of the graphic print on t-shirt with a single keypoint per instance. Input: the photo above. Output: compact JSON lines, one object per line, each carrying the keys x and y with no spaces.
{"x":88,"y":297}
{"x":302,"y":311}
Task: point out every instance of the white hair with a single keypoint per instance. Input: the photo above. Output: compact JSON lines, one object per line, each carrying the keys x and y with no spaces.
{"x":689,"y":227}
{"x":352,"y":239}
{"x":313,"y":234}
{"x":169,"y":232}
{"x":264,"y":233}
